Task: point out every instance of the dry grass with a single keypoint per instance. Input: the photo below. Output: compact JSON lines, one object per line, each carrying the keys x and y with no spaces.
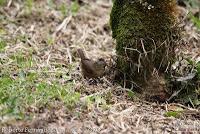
{"x":41,"y":39}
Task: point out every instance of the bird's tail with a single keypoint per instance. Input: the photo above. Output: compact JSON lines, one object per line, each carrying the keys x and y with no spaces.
{"x":81,"y":54}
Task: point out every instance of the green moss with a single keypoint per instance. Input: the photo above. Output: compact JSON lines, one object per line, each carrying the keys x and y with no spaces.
{"x":144,"y":35}
{"x":175,"y":114}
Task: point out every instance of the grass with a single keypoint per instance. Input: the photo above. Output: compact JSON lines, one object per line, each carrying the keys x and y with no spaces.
{"x":29,"y":4}
{"x":75,"y":7}
{"x":198,"y":69}
{"x":175,"y":114}
{"x":193,"y":3}
{"x":195,"y":20}
{"x":2,"y":2}
{"x":63,"y":9}
{"x":25,"y":90}
{"x":190,"y":89}
{"x":97,"y":100}
{"x":22,"y":86}
{"x":3,"y":44}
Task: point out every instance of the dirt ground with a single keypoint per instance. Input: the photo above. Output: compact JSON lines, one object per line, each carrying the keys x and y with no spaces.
{"x":54,"y":40}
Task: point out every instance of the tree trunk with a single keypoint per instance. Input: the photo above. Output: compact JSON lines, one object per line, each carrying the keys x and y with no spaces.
{"x":146,"y":38}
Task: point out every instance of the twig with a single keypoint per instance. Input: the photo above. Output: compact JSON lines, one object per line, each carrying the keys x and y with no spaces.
{"x":145,"y":52}
{"x":69,"y":55}
{"x":63,"y":25}
{"x":83,"y":98}
{"x":9,"y":3}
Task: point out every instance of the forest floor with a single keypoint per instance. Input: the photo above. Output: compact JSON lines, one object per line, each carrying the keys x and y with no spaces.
{"x":41,"y":86}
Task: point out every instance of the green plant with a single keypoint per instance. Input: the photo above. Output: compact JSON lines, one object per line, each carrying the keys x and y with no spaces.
{"x":75,"y":7}
{"x":24,"y":91}
{"x":195,"y":66}
{"x":192,"y":3}
{"x":23,"y":86}
{"x":63,"y":9}
{"x":51,"y":4}
{"x":198,"y":69}
{"x":195,"y":20}
{"x":131,"y":94}
{"x":3,"y":44}
{"x":2,"y":2}
{"x":97,"y":100}
{"x":22,"y":61}
{"x":189,"y":86}
{"x":50,"y":40}
{"x":175,"y":114}
{"x":28,"y":6}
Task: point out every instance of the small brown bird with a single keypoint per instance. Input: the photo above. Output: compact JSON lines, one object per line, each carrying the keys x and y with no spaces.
{"x":90,"y":68}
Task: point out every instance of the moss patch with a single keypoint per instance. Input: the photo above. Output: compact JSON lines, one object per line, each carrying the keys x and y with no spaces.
{"x":146,"y":37}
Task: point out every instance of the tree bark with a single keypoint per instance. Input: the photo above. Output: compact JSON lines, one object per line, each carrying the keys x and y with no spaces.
{"x":146,"y":37}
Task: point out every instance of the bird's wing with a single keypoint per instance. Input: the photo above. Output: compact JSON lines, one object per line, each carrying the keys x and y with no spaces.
{"x":89,"y":64}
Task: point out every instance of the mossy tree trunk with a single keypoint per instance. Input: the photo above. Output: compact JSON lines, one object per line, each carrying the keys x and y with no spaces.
{"x":146,"y":36}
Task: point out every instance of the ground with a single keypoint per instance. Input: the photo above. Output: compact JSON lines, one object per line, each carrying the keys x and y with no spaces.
{"x":41,"y":86}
